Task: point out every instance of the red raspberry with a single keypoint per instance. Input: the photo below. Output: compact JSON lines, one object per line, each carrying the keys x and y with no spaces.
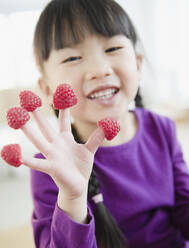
{"x":110,"y":126}
{"x":17,"y":117}
{"x":64,"y":97}
{"x":29,"y":100}
{"x":12,"y":154}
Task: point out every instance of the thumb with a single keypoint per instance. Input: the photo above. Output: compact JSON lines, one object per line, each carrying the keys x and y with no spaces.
{"x":95,"y":140}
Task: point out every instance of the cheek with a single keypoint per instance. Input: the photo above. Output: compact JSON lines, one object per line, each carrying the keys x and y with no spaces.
{"x":128,"y":75}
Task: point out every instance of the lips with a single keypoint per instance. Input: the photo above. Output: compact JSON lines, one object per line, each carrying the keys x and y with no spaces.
{"x":104,"y":87}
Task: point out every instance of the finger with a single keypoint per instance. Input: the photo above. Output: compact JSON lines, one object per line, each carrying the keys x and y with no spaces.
{"x":95,"y":140}
{"x":44,"y":125}
{"x":64,"y":120}
{"x":39,"y":142}
{"x":36,"y":164}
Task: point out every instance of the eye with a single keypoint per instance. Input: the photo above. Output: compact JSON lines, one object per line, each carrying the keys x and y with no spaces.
{"x":113,"y":49}
{"x":71,"y":59}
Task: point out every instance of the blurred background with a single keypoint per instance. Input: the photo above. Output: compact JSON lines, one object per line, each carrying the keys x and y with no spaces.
{"x":163,"y":29}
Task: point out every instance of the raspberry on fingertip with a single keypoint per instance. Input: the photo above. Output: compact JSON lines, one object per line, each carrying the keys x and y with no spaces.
{"x":110,"y":127}
{"x":29,"y":100}
{"x":12,"y":154}
{"x":17,"y":117}
{"x":64,"y":97}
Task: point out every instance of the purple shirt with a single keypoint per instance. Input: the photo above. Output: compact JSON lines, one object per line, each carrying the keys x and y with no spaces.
{"x":145,"y":185}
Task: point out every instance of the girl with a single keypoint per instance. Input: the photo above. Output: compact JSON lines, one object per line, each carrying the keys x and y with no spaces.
{"x":135,"y":191}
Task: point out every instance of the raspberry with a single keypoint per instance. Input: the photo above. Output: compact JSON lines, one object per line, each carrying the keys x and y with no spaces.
{"x":12,"y":154}
{"x":64,"y":97}
{"x":29,"y":100}
{"x":110,"y":127}
{"x":17,"y":117}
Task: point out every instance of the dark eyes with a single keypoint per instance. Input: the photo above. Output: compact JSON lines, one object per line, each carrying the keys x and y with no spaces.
{"x":112,"y":49}
{"x":71,"y":59}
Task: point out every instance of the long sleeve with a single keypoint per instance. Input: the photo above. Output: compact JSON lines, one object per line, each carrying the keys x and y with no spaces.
{"x":181,"y":184}
{"x":52,"y":228}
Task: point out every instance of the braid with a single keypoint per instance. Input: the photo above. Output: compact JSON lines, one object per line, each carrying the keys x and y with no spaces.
{"x":94,"y":186}
{"x":138,"y":100}
{"x":107,"y":234}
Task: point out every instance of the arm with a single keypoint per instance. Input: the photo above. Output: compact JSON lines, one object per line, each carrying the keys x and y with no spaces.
{"x":181,"y":184}
{"x":52,"y":226}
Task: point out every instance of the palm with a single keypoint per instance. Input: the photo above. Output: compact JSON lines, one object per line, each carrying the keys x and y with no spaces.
{"x":67,"y":162}
{"x":70,"y":164}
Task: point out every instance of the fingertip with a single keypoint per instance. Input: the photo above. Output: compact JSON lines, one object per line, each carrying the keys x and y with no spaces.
{"x":95,"y":140}
{"x":101,"y":133}
{"x":64,"y":120}
{"x":23,"y":160}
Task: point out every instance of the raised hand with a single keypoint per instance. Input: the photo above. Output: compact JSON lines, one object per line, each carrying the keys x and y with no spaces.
{"x":67,"y":162}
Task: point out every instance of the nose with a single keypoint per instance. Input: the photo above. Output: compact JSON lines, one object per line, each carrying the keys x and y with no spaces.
{"x":98,"y":69}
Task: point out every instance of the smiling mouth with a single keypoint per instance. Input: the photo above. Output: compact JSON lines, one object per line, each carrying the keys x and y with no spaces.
{"x":104,"y":94}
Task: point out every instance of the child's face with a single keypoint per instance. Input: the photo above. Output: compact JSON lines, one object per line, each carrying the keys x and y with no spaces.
{"x":92,"y":64}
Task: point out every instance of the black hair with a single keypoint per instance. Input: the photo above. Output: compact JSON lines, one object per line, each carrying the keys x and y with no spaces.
{"x":63,"y":23}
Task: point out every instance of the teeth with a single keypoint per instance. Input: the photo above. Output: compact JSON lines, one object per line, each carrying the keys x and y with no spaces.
{"x":103,"y":94}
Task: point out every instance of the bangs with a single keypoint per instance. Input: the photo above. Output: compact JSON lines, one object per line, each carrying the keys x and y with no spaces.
{"x":79,"y":17}
{"x":65,"y":23}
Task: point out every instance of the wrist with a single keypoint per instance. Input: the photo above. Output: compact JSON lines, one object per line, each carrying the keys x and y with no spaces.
{"x":75,"y":208}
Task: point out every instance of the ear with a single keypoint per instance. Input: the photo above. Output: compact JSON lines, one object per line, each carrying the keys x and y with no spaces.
{"x":139,"y":59}
{"x":44,"y":88}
